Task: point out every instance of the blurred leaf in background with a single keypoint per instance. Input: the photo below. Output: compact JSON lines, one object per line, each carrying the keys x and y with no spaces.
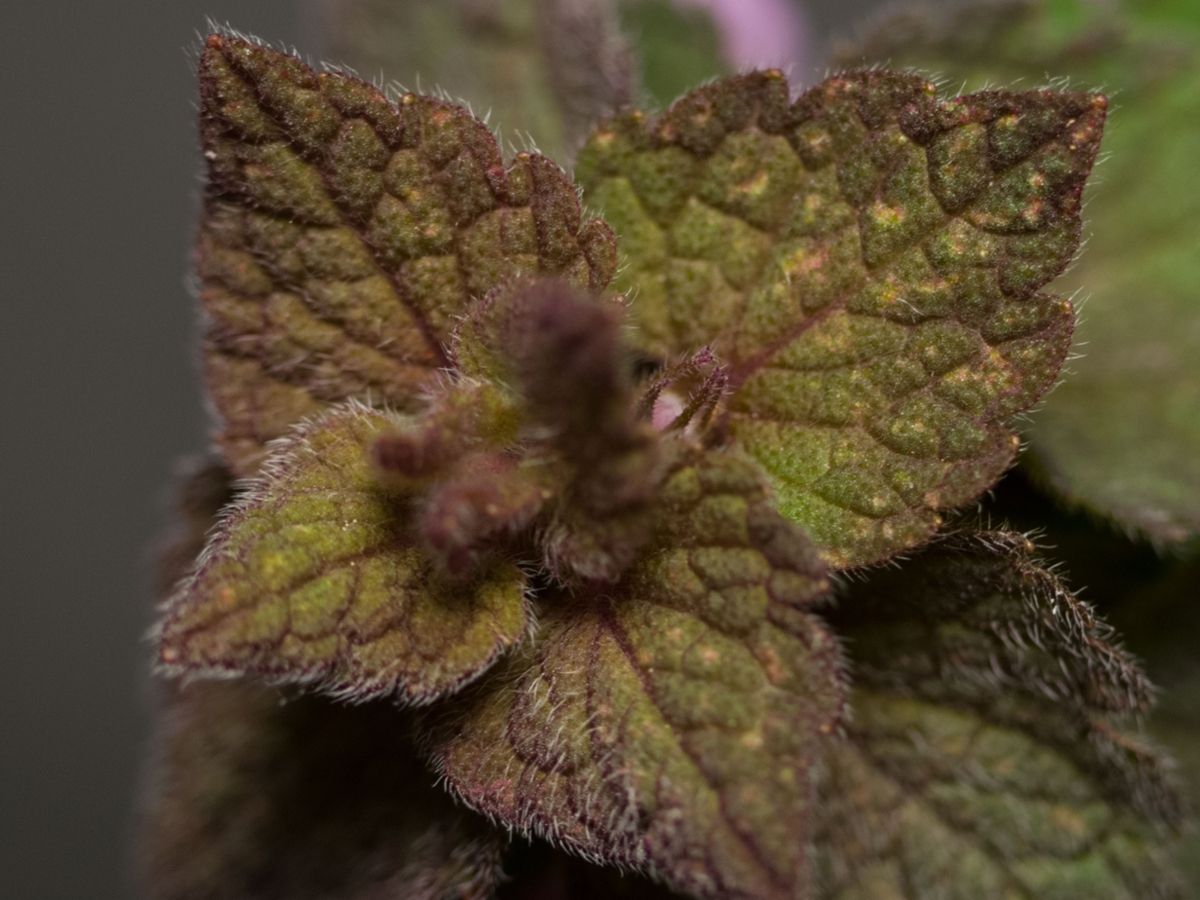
{"x":539,"y":70}
{"x":1161,"y":622}
{"x":1120,"y":438}
{"x":677,"y":48}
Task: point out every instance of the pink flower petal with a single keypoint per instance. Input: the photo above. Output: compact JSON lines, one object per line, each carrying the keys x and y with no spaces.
{"x":667,"y":408}
{"x":759,"y":34}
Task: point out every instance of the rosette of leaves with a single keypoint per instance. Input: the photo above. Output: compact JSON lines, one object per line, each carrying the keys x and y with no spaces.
{"x":566,"y":528}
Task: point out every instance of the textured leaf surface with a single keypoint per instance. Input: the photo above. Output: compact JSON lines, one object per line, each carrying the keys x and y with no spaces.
{"x":868,"y":261}
{"x":343,"y":233}
{"x":667,"y":723}
{"x":316,"y":577}
{"x":1122,"y":435}
{"x":261,"y":799}
{"x":984,"y":757}
{"x":253,"y":797}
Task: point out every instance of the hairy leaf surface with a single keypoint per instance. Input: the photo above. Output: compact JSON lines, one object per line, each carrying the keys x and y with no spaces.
{"x":563,"y":354}
{"x":342,"y":233}
{"x":985,"y":758}
{"x":258,"y":796}
{"x":1122,"y":435}
{"x":868,"y":260}
{"x":317,"y":577}
{"x":262,"y":798}
{"x":668,"y":722}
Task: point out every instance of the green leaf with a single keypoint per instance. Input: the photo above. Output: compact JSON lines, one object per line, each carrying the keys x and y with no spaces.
{"x":316,"y":577}
{"x":867,"y":260}
{"x":985,"y":757}
{"x":343,"y":234}
{"x":667,"y":723}
{"x":1122,"y":434}
{"x":258,"y":796}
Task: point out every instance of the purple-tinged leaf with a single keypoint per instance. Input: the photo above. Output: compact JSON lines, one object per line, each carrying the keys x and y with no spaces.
{"x":342,"y":234}
{"x":867,"y":261}
{"x":318,"y":577}
{"x":668,"y":722}
{"x":985,"y":756}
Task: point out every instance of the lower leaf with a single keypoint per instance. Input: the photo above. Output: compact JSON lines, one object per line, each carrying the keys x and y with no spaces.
{"x":927,"y":801}
{"x":260,"y":798}
{"x":668,"y":723}
{"x":986,"y":757}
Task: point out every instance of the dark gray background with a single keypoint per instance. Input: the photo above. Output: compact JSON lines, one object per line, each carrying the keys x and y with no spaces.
{"x":101,"y":396}
{"x":100,"y":185}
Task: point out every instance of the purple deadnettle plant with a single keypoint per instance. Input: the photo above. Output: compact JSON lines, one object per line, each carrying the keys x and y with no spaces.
{"x":546,"y":555}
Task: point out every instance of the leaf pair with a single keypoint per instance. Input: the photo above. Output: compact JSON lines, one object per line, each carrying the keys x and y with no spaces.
{"x":666,"y":721}
{"x":865,"y":259}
